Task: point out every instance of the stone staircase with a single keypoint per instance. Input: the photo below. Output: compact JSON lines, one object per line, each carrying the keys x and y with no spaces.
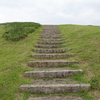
{"x":52,"y":55}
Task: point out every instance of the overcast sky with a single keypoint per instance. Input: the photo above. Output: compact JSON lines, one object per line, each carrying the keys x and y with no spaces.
{"x":84,"y":12}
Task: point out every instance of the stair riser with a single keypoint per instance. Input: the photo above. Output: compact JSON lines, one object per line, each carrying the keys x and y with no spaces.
{"x":58,"y":88}
{"x":50,"y":33}
{"x":50,"y":64}
{"x":48,"y":42}
{"x":50,"y":46}
{"x":51,"y":50}
{"x":57,"y":40}
{"x":52,"y":74}
{"x":43,"y":34}
{"x":57,"y":56}
{"x":54,"y":98}
{"x":51,"y":37}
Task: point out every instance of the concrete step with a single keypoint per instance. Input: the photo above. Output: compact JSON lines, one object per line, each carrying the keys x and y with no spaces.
{"x":53,"y":56}
{"x":50,"y":46}
{"x":47,"y":37}
{"x":50,"y":42}
{"x":50,"y":63}
{"x":50,"y":39}
{"x":52,"y":74}
{"x":54,"y":88}
{"x":52,"y":34}
{"x":51,"y":50}
{"x":54,"y":98}
{"x":51,"y":31}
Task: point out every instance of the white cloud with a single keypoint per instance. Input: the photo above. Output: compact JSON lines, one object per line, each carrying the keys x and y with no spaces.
{"x":51,"y":11}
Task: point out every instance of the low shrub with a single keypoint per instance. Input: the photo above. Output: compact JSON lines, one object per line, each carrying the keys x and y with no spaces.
{"x":16,"y":30}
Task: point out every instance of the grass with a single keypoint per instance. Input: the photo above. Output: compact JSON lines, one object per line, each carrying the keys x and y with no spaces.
{"x":18,"y":30}
{"x":14,"y":57}
{"x":84,"y":42}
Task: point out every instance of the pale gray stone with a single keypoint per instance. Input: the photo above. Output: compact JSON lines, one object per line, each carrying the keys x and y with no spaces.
{"x":51,"y":50}
{"x":55,"y":88}
{"x":50,"y":63}
{"x":53,"y":56}
{"x":52,"y":74}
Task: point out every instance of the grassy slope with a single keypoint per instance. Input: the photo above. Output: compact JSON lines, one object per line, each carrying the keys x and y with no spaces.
{"x":85,"y":43}
{"x":14,"y":57}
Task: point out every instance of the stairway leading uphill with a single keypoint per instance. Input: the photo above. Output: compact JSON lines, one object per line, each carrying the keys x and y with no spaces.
{"x":50,"y":54}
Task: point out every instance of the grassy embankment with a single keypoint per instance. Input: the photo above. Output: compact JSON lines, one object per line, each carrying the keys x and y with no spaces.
{"x":14,"y":57}
{"x":85,"y":44}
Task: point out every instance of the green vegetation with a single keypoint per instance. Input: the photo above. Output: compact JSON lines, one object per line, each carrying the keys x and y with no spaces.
{"x":18,"y":30}
{"x":84,"y":42}
{"x":14,"y":57}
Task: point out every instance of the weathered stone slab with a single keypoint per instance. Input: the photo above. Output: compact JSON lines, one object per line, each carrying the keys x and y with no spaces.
{"x":51,"y":42}
{"x":53,"y":56}
{"x":54,"y":98}
{"x":53,"y":32}
{"x":50,"y":63}
{"x":51,"y":50}
{"x":55,"y":88}
{"x":47,"y":37}
{"x":52,"y":74}
{"x":50,"y":39}
{"x":50,"y":46}
{"x":54,"y":35}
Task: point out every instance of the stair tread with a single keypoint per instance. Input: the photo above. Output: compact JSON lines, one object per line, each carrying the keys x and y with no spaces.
{"x":50,"y":46}
{"x":52,"y":73}
{"x":54,"y":98}
{"x":54,"y":88}
{"x":53,"y":54}
{"x":58,"y":42}
{"x":56,"y":85}
{"x":51,"y":50}
{"x":51,"y":39}
{"x":55,"y":61}
{"x":51,"y":63}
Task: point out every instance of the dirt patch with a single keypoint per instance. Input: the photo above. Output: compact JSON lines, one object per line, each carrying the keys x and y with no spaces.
{"x":21,"y":38}
{"x":26,"y":65}
{"x":25,"y":52}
